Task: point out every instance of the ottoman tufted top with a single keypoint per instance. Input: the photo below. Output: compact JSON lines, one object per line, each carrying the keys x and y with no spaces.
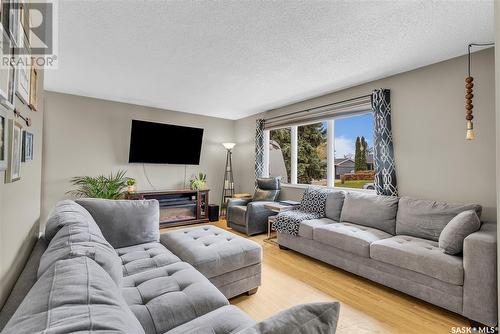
{"x":212,"y":250}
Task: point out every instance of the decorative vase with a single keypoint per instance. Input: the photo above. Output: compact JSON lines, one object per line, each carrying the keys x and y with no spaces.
{"x":131,"y":189}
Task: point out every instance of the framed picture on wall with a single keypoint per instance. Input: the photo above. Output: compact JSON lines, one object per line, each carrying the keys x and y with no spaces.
{"x":23,"y":73}
{"x":3,"y":140}
{"x":27,"y":146}
{"x":34,"y":88}
{"x":15,"y":151}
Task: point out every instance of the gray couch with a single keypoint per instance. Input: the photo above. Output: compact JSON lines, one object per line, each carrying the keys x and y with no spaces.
{"x":394,"y":241}
{"x":100,"y":268}
{"x":250,"y":216}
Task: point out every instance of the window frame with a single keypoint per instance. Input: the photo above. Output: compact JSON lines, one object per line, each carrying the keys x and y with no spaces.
{"x":330,"y":144}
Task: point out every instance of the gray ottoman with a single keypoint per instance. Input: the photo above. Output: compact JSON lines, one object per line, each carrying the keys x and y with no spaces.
{"x":230,"y":262}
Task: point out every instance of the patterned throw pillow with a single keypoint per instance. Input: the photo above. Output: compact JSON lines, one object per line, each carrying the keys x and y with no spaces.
{"x":314,"y":201}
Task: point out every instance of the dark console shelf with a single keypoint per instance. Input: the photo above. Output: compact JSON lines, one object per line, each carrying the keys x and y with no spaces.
{"x":178,"y":207}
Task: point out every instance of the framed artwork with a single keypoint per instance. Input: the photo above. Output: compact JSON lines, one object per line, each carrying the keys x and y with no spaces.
{"x":15,"y":152}
{"x":33,"y":88}
{"x":24,"y":74}
{"x":27,"y":146}
{"x":3,"y":140}
{"x":4,"y":72}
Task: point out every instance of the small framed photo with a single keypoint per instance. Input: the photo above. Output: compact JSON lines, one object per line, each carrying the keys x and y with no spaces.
{"x":3,"y":140}
{"x":27,"y":146}
{"x":15,"y":152}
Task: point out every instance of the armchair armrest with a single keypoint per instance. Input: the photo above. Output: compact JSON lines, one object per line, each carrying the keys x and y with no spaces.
{"x":480,"y":275}
{"x":237,"y":201}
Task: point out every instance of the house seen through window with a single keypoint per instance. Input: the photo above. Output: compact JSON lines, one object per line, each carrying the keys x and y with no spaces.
{"x":352,"y":150}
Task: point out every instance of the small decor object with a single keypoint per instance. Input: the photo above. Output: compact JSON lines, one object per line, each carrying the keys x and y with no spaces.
{"x":15,"y":152}
{"x":27,"y":146}
{"x":199,"y":182}
{"x":131,"y":186}
{"x":469,"y":84}
{"x":113,"y":186}
{"x":228,"y":185}
{"x":33,"y":89}
{"x":3,"y":140}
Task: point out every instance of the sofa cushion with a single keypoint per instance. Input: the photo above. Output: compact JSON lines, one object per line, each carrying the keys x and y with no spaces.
{"x":307,"y":227}
{"x":370,"y":210}
{"x":426,"y":219}
{"x":237,"y":214}
{"x":212,"y":250}
{"x":334,"y":203}
{"x":125,"y":223}
{"x":74,"y":240}
{"x":139,"y":258}
{"x":349,"y":237}
{"x":454,"y":233}
{"x":170,"y":296}
{"x":227,"y":319}
{"x":68,"y":212}
{"x":420,"y":255}
{"x":74,"y":295}
{"x":305,"y":318}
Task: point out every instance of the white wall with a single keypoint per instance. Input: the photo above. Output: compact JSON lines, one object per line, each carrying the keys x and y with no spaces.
{"x":433,"y":159}
{"x":20,"y":204}
{"x":86,"y":136}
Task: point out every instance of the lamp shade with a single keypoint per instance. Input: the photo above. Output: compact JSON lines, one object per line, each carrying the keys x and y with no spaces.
{"x":228,"y":145}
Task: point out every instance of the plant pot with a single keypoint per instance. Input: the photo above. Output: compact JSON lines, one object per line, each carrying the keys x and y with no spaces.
{"x":131,"y":189}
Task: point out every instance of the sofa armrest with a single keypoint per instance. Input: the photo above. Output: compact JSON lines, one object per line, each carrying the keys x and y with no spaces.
{"x":125,"y":222}
{"x":305,"y":318}
{"x":480,"y":275}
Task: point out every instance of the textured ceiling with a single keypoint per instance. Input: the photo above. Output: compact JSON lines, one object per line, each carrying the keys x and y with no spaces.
{"x":236,"y":58}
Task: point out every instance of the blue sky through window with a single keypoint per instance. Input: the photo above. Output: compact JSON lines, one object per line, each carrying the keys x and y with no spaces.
{"x":346,"y":131}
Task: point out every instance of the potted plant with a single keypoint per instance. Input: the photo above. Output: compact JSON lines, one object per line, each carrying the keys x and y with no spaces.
{"x":113,"y":186}
{"x":199,"y":182}
{"x":131,"y":185}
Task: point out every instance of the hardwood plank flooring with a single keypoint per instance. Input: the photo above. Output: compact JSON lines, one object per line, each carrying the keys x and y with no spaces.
{"x":290,"y":278}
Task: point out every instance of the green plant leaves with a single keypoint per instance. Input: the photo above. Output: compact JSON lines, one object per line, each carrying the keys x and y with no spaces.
{"x":108,"y":187}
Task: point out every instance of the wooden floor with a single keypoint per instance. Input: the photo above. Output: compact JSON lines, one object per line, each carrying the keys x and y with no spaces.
{"x":290,"y":278}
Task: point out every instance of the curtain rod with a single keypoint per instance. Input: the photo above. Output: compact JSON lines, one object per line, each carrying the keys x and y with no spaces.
{"x":311,"y":109}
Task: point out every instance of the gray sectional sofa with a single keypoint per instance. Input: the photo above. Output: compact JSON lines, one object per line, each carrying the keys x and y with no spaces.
{"x":101,"y":268}
{"x":395,"y":242}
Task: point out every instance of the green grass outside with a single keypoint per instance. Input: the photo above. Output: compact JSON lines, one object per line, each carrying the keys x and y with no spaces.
{"x":352,"y":184}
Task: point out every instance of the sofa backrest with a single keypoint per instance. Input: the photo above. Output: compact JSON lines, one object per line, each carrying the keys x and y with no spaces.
{"x":74,"y":295}
{"x":334,"y":203}
{"x":425,"y":218}
{"x":370,"y":210}
{"x":125,"y":223}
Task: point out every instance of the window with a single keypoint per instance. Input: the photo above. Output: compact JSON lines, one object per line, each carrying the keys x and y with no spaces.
{"x":312,"y":154}
{"x":336,"y":152}
{"x":354,"y":151}
{"x":280,"y":154}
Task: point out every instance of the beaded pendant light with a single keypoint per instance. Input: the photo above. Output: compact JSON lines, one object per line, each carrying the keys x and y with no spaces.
{"x":469,"y":85}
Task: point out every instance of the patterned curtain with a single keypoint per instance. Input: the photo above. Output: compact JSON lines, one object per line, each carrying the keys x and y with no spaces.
{"x":259,"y":148}
{"x":385,"y":169}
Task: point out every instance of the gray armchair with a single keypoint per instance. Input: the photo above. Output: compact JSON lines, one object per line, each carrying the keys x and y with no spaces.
{"x":250,"y":216}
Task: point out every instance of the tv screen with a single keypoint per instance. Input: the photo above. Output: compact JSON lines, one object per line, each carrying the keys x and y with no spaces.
{"x":158,"y":143}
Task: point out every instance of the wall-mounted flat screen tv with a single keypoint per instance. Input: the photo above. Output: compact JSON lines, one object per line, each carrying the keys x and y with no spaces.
{"x":158,"y":143}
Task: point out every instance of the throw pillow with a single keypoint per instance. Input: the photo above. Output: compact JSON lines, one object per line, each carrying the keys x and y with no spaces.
{"x":265,"y":195}
{"x":314,"y":201}
{"x":305,"y":318}
{"x":452,"y":237}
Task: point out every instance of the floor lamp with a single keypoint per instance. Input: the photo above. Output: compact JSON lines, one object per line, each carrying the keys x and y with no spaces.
{"x":228,"y":186}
